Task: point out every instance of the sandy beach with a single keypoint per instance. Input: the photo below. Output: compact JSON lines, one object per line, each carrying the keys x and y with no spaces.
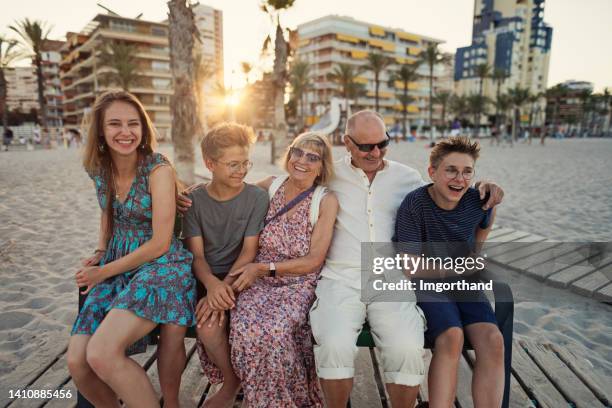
{"x":50,"y":219}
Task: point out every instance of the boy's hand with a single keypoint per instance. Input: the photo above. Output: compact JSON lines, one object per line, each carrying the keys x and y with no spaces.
{"x":220,"y":296}
{"x":248,"y":275}
{"x":205,"y":313}
{"x":496,"y":194}
{"x":183,"y":202}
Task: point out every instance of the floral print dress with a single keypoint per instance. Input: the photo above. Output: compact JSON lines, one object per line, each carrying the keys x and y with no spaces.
{"x":270,"y":336}
{"x":162,"y":290}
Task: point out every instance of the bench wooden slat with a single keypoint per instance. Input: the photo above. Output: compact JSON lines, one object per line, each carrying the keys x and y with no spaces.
{"x":583,"y":370}
{"x":496,"y":233}
{"x":562,"y":377}
{"x":534,"y":381}
{"x":52,"y":379}
{"x":365,"y":389}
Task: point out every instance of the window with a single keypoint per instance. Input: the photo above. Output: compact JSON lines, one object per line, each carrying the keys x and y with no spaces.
{"x":160,"y":100}
{"x":161,"y":83}
{"x":121,"y":25}
{"x":159,"y":31}
{"x":160,"y":66}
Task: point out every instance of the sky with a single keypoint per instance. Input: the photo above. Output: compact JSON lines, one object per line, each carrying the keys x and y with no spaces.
{"x":580,"y":46}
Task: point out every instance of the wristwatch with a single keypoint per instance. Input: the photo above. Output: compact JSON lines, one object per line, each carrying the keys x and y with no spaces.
{"x":272,"y":268}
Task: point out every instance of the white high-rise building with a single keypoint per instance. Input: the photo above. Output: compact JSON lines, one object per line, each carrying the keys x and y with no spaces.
{"x":209,"y":22}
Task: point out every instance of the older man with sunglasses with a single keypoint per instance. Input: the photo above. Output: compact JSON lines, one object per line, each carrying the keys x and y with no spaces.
{"x":369,"y":189}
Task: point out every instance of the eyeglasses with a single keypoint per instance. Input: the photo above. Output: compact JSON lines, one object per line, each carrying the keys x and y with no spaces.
{"x":368,"y":147}
{"x":297,"y":153}
{"x":452,"y":173}
{"x":236,"y":166}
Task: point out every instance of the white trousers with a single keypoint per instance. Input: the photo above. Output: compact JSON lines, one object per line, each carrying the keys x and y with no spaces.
{"x":337,"y":317}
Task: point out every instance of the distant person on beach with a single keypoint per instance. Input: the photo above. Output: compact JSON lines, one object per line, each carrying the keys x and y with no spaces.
{"x":221,"y":229}
{"x":139,"y":275}
{"x":270,"y":337}
{"x":7,"y":138}
{"x":370,"y":190}
{"x":450,"y":211}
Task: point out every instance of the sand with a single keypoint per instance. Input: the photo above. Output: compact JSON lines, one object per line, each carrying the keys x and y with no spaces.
{"x":50,"y":218}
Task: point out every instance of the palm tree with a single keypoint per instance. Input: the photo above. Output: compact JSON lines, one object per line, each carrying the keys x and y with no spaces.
{"x":482,"y":71}
{"x":518,"y":97}
{"x":442,"y":98}
{"x":185,"y":119}
{"x":405,"y":75}
{"x":432,"y":56}
{"x":204,"y":70}
{"x":476,"y":104}
{"x":281,"y":52}
{"x":119,"y":57}
{"x":556,"y":93}
{"x":246,"y":70}
{"x":459,"y":106}
{"x":499,"y":76}
{"x":534,"y":108}
{"x":607,"y":99}
{"x":33,"y":35}
{"x":299,"y":78}
{"x":377,"y":63}
{"x":8,"y":54}
{"x":585,"y":99}
{"x":345,"y":75}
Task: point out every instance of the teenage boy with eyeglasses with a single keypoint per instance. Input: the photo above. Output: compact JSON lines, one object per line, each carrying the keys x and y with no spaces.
{"x":221,"y":228}
{"x":446,"y":220}
{"x":369,"y":189}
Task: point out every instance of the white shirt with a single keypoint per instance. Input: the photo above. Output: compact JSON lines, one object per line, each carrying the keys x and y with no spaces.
{"x":366,"y":214}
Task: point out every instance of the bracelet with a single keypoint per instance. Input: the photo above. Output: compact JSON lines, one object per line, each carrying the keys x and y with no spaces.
{"x":99,"y":250}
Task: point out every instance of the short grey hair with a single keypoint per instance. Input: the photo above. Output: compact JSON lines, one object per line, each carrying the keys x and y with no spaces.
{"x":362,"y":114}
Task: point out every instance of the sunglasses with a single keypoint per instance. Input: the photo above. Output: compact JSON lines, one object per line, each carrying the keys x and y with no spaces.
{"x":368,"y":147}
{"x":298,"y":153}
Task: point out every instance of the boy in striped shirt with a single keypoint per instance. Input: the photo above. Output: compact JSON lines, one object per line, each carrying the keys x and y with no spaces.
{"x":445,"y":219}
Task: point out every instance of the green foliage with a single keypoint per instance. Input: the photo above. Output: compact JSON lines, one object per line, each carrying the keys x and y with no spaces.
{"x":120,"y":58}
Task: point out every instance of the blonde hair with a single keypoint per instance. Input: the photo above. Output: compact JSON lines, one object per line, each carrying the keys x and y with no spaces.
{"x":223,"y":136}
{"x":456,"y":144}
{"x":320,"y":144}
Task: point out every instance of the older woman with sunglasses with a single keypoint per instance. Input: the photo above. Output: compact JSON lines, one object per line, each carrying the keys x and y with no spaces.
{"x":270,"y":337}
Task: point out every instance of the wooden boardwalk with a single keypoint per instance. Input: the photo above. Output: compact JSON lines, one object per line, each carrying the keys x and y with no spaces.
{"x":582,"y":268}
{"x":543,"y":375}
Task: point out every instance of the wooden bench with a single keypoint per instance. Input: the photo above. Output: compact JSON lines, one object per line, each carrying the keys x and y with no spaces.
{"x":504,"y":312}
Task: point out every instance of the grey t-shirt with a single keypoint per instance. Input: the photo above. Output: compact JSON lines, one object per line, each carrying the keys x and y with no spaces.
{"x":224,"y":224}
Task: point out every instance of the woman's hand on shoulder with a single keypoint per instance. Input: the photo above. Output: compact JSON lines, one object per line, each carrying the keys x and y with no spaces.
{"x":183,"y":202}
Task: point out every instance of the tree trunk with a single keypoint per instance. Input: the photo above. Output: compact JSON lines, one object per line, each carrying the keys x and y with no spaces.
{"x":280,"y":80}
{"x":42,"y":111}
{"x":405,"y":111}
{"x":185,"y":120}
{"x":376,"y":88}
{"x":431,"y":138}
{"x":443,"y":124}
{"x":3,"y":106}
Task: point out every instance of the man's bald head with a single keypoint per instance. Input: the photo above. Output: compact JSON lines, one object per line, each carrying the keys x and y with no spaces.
{"x":364,"y":119}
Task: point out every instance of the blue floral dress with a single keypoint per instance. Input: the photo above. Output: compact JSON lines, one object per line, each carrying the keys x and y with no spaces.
{"x":162,"y":290}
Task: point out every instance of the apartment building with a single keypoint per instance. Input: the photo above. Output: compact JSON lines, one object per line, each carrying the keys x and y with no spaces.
{"x":51,"y":60}
{"x":82,"y":73}
{"x":332,"y":39}
{"x":510,"y":35}
{"x":22,"y":89}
